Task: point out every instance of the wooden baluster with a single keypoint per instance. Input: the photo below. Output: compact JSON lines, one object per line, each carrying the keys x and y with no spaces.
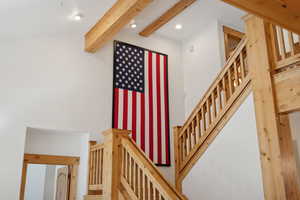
{"x":185,"y":144}
{"x":128,"y":167}
{"x":189,"y":139}
{"x":281,"y":42}
{"x":225,"y":91}
{"x":102,"y":166}
{"x":136,"y":179}
{"x":214,"y":108}
{"x":94,"y":169}
{"x":124,"y":161}
{"x":219,"y":96}
{"x":243,"y":75}
{"x":151,"y":191}
{"x":236,"y":77}
{"x":230,"y":82}
{"x":291,"y":43}
{"x":132,"y":174}
{"x":91,"y":168}
{"x":208,"y":110}
{"x":97,"y":167}
{"x":194,"y":132}
{"x":147,"y":188}
{"x":198,"y":124}
{"x":275,"y":42}
{"x":142,"y":186}
{"x":203,"y":118}
{"x":181,"y":149}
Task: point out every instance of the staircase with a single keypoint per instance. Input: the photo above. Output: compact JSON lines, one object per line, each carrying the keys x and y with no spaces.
{"x":222,"y":99}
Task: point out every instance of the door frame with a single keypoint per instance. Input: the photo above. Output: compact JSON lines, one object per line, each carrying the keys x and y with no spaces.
{"x":70,"y":161}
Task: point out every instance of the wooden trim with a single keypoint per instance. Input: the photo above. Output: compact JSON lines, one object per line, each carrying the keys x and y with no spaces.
{"x":282,"y":13}
{"x":72,"y":162}
{"x":233,"y":32}
{"x":112,"y":22}
{"x":23,"y":183}
{"x":166,"y":17}
{"x":50,"y":159}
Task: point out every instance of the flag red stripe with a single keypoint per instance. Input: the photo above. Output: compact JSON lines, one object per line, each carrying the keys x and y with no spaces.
{"x":116,"y":106}
{"x":167,"y":129}
{"x":143,"y":121}
{"x":134,"y":115}
{"x":150,"y":106}
{"x":158,"y":97}
{"x":125,"y":109}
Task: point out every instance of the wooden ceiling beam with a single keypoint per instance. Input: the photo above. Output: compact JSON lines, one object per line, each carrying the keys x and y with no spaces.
{"x":285,"y":13}
{"x":166,"y":17}
{"x":112,"y":22}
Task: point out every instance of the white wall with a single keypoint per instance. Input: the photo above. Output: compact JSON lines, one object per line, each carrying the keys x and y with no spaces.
{"x":35,"y":182}
{"x":50,"y":82}
{"x":230,"y":168}
{"x":201,"y":62}
{"x":49,"y":142}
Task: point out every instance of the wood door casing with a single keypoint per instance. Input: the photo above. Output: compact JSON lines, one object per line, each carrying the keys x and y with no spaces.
{"x":62,"y":184}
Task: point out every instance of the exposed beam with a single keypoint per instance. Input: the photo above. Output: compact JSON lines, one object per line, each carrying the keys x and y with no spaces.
{"x":112,"y":22}
{"x":285,"y":13}
{"x":166,"y":17}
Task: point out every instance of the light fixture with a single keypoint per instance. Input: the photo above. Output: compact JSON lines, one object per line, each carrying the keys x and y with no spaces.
{"x":77,"y":17}
{"x":178,"y":26}
{"x":133,"y":25}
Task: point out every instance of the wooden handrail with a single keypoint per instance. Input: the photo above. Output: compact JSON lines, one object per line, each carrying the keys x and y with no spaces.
{"x":227,"y":91}
{"x":141,"y":176}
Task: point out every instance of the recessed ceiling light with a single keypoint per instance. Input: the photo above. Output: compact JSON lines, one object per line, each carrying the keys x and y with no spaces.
{"x":77,"y":17}
{"x":178,"y":26}
{"x":133,"y":25}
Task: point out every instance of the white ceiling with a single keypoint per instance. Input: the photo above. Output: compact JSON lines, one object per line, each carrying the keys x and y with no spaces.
{"x":31,"y":18}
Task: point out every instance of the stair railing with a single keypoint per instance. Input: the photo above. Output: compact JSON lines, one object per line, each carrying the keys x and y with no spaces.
{"x":119,"y":169}
{"x":210,"y":111}
{"x":95,"y":178}
{"x":286,"y":47}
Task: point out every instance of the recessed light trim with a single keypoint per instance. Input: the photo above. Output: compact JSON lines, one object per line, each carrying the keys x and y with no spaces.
{"x":178,"y":26}
{"x":77,"y":17}
{"x":133,"y":26}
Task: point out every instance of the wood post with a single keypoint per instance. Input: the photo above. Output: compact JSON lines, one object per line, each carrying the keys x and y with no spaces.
{"x":178,"y":183}
{"x":276,"y":151}
{"x":113,"y":162}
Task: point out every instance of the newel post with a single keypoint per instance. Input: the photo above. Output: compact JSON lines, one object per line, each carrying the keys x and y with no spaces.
{"x":276,"y":149}
{"x":112,"y":162}
{"x":178,"y":182}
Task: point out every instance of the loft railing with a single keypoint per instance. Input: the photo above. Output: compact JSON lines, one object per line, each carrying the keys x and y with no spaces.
{"x":96,"y":160}
{"x":213,"y":108}
{"x":285,"y":46}
{"x":119,"y":168}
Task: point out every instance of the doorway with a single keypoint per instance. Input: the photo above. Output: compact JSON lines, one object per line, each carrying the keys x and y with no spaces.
{"x":49,"y":177}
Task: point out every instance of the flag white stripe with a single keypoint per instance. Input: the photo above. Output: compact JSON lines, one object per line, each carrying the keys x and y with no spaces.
{"x":163,"y":120}
{"x":155,"y":146}
{"x":147,"y":138}
{"x":138,"y":119}
{"x":129,"y":112}
{"x":120,"y":116}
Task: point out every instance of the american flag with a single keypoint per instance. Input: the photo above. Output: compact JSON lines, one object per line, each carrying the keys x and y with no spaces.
{"x":141,"y":101}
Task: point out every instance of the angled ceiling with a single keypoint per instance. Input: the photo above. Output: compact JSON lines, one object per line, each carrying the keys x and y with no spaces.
{"x":33,"y":18}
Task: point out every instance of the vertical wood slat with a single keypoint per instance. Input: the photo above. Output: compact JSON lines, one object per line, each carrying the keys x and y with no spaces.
{"x":208,"y":110}
{"x":230,"y":83}
{"x":225,"y":91}
{"x":291,"y":43}
{"x":274,"y":38}
{"x":281,"y":42}
{"x":243,"y":75}
{"x":214,"y":108}
{"x":219,"y":97}
{"x":236,"y":77}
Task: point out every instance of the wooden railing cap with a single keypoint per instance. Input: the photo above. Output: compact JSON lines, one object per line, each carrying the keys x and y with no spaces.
{"x":116,"y":131}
